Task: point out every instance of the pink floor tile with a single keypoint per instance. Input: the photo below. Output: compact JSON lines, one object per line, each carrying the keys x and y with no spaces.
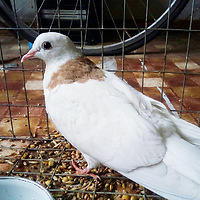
{"x":192,"y":104}
{"x":177,"y":80}
{"x":3,"y":111}
{"x":20,"y":126}
{"x":17,"y":112}
{"x":189,"y":92}
{"x":35,"y":97}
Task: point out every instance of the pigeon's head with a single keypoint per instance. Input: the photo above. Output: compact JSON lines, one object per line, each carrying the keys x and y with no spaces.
{"x":52,"y":47}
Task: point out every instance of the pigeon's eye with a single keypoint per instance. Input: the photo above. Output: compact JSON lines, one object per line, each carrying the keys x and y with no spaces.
{"x":46,"y":45}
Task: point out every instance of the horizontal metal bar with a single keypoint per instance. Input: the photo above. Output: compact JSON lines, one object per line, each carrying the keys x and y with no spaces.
{"x":63,"y":12}
{"x":27,"y":138}
{"x":16,"y":105}
{"x":15,"y":69}
{"x":146,"y":71}
{"x":102,"y":29}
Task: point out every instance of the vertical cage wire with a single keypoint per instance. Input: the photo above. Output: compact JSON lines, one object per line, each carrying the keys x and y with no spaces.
{"x":187,"y":56}
{"x":47,"y":159}
{"x":7,"y":95}
{"x":165,"y":54}
{"x":145,"y":40}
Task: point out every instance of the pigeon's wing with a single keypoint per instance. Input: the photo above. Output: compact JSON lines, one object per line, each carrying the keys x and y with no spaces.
{"x":180,"y":166}
{"x":157,"y":113}
{"x":188,"y":131}
{"x":143,"y":104}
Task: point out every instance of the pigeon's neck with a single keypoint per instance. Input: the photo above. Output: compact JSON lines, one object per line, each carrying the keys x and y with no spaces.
{"x":80,"y":69}
{"x":62,"y":57}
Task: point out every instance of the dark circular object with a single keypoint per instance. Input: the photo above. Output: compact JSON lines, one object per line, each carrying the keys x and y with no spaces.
{"x":46,"y":45}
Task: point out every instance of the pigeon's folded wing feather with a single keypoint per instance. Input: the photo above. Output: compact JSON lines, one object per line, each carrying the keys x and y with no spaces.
{"x":155,"y":111}
{"x":188,"y":131}
{"x":140,"y":102}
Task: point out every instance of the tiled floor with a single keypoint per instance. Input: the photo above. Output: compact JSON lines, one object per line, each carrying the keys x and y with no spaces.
{"x":27,"y":111}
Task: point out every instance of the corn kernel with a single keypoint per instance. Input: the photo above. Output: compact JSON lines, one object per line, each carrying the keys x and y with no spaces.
{"x":125,"y":197}
{"x":106,"y":185}
{"x":32,"y":146}
{"x":133,"y":198}
{"x":24,"y":156}
{"x":47,"y":182}
{"x":51,"y":162}
{"x":64,"y":179}
{"x":111,"y":187}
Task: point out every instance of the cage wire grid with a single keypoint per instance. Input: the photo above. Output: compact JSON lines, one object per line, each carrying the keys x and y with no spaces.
{"x":42,"y":154}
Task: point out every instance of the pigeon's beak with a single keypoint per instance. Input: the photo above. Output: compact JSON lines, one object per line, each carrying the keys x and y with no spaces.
{"x":29,"y":55}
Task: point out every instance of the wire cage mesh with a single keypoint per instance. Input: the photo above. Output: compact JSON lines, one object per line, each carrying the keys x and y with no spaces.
{"x":166,"y":69}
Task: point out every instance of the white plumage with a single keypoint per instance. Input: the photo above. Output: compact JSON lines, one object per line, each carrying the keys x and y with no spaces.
{"x":113,"y":124}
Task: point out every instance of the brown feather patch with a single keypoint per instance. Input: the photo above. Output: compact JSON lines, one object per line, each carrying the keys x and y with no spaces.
{"x":77,"y":70}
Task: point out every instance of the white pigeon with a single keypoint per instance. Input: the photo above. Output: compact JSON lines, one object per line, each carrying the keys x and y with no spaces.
{"x":113,"y":124}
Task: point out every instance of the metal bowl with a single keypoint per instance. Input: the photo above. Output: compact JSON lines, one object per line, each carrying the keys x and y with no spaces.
{"x":15,"y":188}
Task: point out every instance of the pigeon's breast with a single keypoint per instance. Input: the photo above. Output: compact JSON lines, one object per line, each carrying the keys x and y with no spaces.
{"x":75,"y":109}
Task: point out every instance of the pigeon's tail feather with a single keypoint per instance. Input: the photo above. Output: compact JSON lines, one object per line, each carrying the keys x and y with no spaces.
{"x":177,"y":177}
{"x":109,"y":64}
{"x":188,"y":131}
{"x":166,"y":182}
